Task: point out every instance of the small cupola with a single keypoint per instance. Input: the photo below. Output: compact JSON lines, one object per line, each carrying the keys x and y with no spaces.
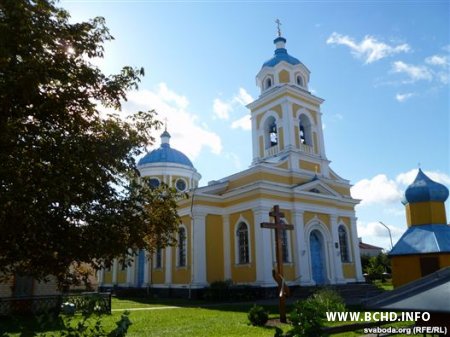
{"x":424,"y":201}
{"x":282,"y":69}
{"x":423,"y":189}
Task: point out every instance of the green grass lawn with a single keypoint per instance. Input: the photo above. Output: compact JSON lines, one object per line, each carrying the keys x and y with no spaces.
{"x":188,"y":318}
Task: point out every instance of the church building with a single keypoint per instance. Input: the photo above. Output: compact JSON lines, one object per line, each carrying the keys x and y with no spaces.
{"x":221,"y":238}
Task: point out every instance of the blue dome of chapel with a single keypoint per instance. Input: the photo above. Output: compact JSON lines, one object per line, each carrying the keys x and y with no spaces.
{"x":165,"y":154}
{"x":281,"y":54}
{"x":425,"y":189}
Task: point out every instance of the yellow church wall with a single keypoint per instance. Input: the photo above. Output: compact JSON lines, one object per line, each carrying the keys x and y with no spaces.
{"x":407,"y":268}
{"x":107,"y":277}
{"x":252,"y":195}
{"x":340,"y":189}
{"x":214,"y":248}
{"x":297,"y":137}
{"x":324,"y":218}
{"x":260,"y":116}
{"x":348,"y":269}
{"x":247,"y":272}
{"x":259,"y":176}
{"x":345,"y":220}
{"x":284,"y":165}
{"x":296,"y":109}
{"x":261,"y":146}
{"x":422,"y":213}
{"x":283,"y":95}
{"x":307,"y":165}
{"x":182,"y":275}
{"x":315,"y":143}
{"x":157,"y":276}
{"x":121,"y":275}
{"x":283,"y":76}
{"x":281,"y":138}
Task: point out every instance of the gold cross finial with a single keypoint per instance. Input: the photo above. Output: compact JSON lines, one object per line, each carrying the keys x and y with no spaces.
{"x":278,"y":22}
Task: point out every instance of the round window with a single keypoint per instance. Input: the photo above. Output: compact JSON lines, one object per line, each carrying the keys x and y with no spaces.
{"x":153,"y":183}
{"x":181,"y":185}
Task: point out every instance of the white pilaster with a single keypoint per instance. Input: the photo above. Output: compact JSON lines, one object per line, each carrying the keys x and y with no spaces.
{"x":288,"y":127}
{"x":131,"y":271}
{"x":357,"y":254}
{"x":338,"y":276}
{"x":114,"y":271}
{"x":199,"y":250}
{"x":255,"y":140}
{"x":226,"y":247}
{"x":168,"y":266}
{"x":302,"y":270}
{"x":263,"y":247}
{"x":319,"y":128}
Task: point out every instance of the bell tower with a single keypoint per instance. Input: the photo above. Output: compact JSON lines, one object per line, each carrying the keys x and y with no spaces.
{"x":286,"y":117}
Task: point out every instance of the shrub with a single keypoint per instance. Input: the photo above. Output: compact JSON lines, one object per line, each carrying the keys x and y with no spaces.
{"x":258,"y":316}
{"x":308,"y":315}
{"x":305,"y":320}
{"x":327,"y":300}
{"x":218,"y":291}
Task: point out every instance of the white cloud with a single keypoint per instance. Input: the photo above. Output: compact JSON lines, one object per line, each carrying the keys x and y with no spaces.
{"x":244,"y":123}
{"x":415,"y":73}
{"x":403,"y":97}
{"x":375,"y":229}
{"x":379,"y":189}
{"x":369,"y":49}
{"x":235,"y":159}
{"x":189,"y":135}
{"x":407,"y":178}
{"x":222,"y":109}
{"x":243,"y":97}
{"x":437,"y":60}
{"x":382,"y":190}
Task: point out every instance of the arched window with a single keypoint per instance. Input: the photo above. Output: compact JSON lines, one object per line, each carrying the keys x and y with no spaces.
{"x":182,"y":247}
{"x":154,"y":182}
{"x":158,"y":258}
{"x":271,"y":132}
{"x":305,"y":130}
{"x":300,"y":80}
{"x":243,"y":244}
{"x":343,"y":244}
{"x":268,"y":83}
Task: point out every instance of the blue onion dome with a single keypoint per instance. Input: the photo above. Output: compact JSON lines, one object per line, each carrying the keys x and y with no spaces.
{"x":425,"y":189}
{"x":281,"y":54}
{"x":165,"y":154}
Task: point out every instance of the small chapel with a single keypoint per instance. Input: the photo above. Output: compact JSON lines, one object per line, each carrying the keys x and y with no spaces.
{"x":220,"y":237}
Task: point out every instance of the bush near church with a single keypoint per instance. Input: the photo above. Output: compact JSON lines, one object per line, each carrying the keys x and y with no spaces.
{"x":258,"y":316}
{"x":308,"y":315}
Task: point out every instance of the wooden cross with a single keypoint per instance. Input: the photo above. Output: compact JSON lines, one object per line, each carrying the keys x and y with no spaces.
{"x":279,"y":226}
{"x":278,"y":22}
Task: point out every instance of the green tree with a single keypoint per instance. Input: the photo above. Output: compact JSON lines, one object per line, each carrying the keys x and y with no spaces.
{"x":69,"y":187}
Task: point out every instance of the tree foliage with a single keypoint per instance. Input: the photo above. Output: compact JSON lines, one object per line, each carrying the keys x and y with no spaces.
{"x":69,"y":187}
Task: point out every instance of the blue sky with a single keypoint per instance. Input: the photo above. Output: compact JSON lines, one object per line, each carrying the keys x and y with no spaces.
{"x":382,"y":68}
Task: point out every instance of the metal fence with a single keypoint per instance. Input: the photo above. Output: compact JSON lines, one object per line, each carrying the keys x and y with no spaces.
{"x":84,"y":303}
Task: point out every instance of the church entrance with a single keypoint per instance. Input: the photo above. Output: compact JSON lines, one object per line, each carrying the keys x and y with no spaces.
{"x":317,"y":257}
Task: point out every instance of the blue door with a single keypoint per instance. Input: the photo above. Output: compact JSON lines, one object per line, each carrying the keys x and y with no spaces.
{"x":317,"y":265}
{"x":141,"y":264}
